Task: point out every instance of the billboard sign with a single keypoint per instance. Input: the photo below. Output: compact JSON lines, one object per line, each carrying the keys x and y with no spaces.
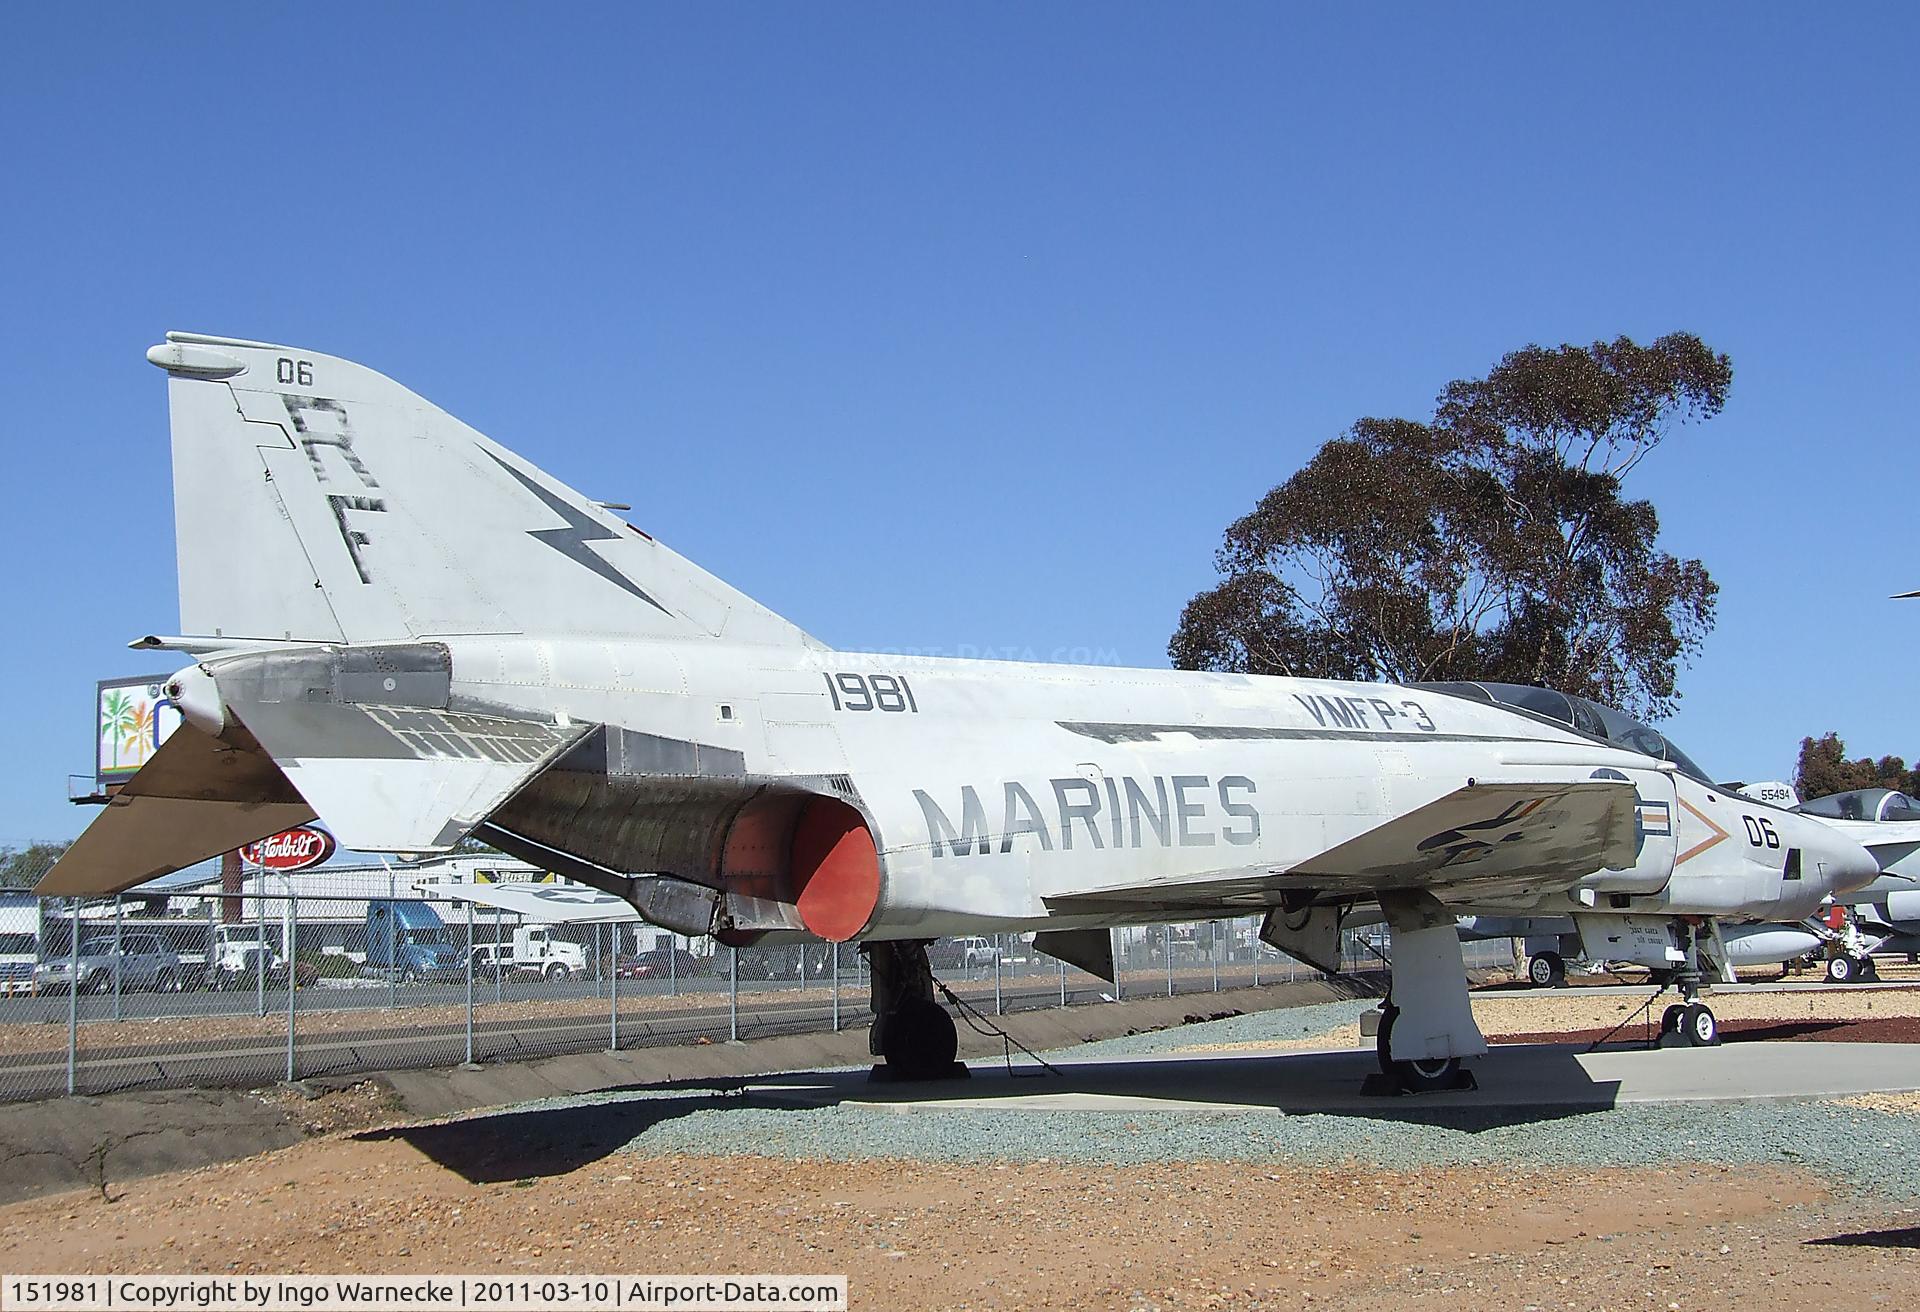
{"x":290,"y":849}
{"x":132,"y":717}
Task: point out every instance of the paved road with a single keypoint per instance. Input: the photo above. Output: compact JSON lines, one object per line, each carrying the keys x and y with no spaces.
{"x":393,"y":1038}
{"x":370,"y":995}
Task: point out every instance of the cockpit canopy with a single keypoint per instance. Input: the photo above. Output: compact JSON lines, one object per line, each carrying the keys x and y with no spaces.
{"x":1578,"y":713}
{"x":1864,"y":804}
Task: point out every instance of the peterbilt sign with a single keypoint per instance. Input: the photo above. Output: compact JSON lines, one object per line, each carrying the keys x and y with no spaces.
{"x":290,"y":849}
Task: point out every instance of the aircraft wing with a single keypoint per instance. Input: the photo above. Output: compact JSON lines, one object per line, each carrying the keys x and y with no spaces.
{"x":1544,"y":833}
{"x":554,"y":903}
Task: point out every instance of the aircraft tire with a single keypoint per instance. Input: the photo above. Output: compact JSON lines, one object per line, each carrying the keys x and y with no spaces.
{"x":1412,"y":1076}
{"x":1700,"y":1026}
{"x":1547,"y":970}
{"x":1428,"y":1076}
{"x":921,"y":1042}
{"x":1383,"y":1038}
{"x":1869,"y":972}
{"x":1670,"y":1021}
{"x":1841,"y":970}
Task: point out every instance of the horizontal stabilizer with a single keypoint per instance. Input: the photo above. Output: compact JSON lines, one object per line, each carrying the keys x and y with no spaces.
{"x":196,"y":798}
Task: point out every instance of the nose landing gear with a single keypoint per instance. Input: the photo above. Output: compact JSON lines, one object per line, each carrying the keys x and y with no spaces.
{"x":1851,"y":969}
{"x":1691,"y":1022}
{"x":1692,"y":1025}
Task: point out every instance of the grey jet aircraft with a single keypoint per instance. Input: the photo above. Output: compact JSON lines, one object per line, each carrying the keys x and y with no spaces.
{"x":400,"y":626}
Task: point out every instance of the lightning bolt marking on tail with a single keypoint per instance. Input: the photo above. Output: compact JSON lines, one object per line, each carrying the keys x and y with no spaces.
{"x":572,"y":540}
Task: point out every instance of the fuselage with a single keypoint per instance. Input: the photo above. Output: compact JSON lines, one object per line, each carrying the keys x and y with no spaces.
{"x":996,"y":793}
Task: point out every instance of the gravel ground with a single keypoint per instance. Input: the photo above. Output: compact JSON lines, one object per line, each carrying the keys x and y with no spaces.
{"x":1859,"y":1145}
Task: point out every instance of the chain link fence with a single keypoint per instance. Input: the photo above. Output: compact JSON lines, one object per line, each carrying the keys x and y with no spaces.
{"x":271,"y":977}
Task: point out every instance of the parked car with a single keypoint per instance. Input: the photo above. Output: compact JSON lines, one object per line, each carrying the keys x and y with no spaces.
{"x":963,"y":953}
{"x":661,"y":963}
{"x":142,"y":962}
{"x":242,"y":969}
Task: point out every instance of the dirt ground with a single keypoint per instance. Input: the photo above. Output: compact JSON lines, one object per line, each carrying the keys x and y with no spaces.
{"x":913,"y":1235}
{"x":461,"y":1196}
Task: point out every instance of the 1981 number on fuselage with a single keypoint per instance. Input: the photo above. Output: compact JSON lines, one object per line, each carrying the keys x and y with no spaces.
{"x":871,"y":692}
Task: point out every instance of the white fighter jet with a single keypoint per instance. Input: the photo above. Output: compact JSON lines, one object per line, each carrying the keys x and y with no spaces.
{"x":410,"y":631}
{"x":1884,"y":915}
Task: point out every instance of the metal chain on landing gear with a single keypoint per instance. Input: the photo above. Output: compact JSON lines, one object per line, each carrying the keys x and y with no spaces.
{"x":980,"y":1025}
{"x":1646,"y":1006}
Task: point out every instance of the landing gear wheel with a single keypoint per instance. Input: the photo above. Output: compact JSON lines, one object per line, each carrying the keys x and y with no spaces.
{"x":1547,"y":970}
{"x":1383,"y":1038}
{"x":1842,"y":970}
{"x":1428,"y":1076}
{"x":1699,"y":1025}
{"x":1869,"y":973}
{"x":920,"y":1042}
{"x":1425,"y":1076}
{"x":1670,"y":1020}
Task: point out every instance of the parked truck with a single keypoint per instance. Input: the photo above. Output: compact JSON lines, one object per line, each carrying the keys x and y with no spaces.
{"x":533,"y":950}
{"x":407,"y":941}
{"x":19,"y":941}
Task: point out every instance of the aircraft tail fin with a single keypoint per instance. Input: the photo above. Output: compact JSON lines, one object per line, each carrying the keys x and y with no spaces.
{"x":317,"y":500}
{"x":1774,"y":792}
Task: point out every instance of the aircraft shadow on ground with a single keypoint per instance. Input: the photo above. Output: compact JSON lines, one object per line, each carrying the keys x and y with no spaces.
{"x":1904,"y":1237}
{"x":1519,"y":1086}
{"x":1637,"y":1037}
{"x":1548,"y":1083}
{"x":497,"y":1147}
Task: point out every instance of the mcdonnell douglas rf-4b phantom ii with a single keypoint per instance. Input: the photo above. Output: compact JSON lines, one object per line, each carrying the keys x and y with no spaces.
{"x":410,"y":631}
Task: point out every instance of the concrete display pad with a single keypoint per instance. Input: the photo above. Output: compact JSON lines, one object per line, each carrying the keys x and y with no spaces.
{"x":1531,"y":1076}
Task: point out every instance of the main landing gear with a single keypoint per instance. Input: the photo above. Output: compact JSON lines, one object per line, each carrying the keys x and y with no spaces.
{"x":1417,"y":1075}
{"x":1427,"y":1024}
{"x":912,"y":1032}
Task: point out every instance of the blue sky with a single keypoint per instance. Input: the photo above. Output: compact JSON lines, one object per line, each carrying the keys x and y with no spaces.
{"x":969,"y":328}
